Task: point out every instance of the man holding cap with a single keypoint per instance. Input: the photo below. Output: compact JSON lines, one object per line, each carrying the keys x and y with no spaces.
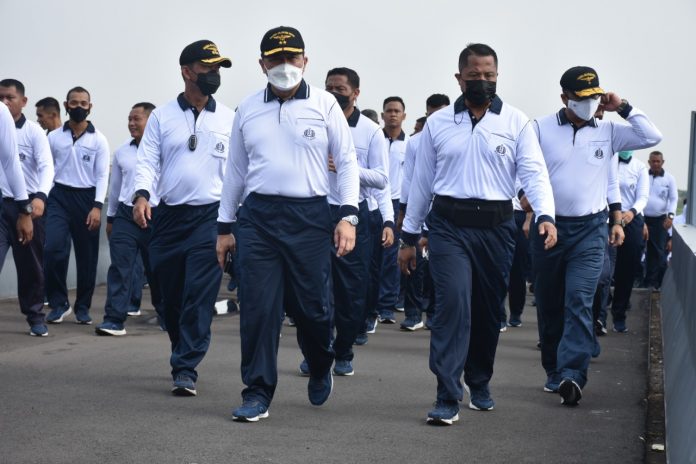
{"x":282,"y":138}
{"x":579,"y":153}
{"x":182,"y":158}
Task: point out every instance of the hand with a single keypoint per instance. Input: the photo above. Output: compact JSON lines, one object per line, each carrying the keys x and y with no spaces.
{"x":423,"y":244}
{"x":627,"y":217}
{"x":646,"y":233}
{"x":407,"y":260}
{"x":616,"y":236}
{"x":527,"y":224}
{"x":37,"y":208}
{"x":549,"y":230}
{"x":25,"y":229}
{"x":610,"y":101}
{"x":344,"y":238}
{"x":332,"y":166}
{"x":526,"y":206}
{"x":667,"y":224}
{"x":93,"y":219}
{"x":142,"y":212}
{"x":400,"y":220}
{"x":387,"y":237}
{"x":669,"y":246}
{"x":225,"y":244}
{"x":109,"y":228}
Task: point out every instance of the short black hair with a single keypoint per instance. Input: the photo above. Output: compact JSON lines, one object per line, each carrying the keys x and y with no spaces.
{"x":656,"y":153}
{"x":437,"y":100}
{"x":49,"y":103}
{"x":422,"y":119}
{"x":394,"y":99}
{"x":13,"y":83}
{"x":372,"y":114}
{"x":146,"y":106}
{"x":477,"y":49}
{"x":77,"y":89}
{"x":351,"y":76}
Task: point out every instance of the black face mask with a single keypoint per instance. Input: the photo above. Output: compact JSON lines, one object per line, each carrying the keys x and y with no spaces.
{"x":479,"y":92}
{"x":78,"y":114}
{"x":208,"y":83}
{"x":342,"y":100}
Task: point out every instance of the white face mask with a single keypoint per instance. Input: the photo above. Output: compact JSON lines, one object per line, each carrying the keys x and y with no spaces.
{"x":584,"y":109}
{"x":284,"y":76}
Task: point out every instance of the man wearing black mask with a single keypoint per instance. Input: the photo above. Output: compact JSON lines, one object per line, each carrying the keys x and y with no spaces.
{"x":182,"y":158}
{"x":469,"y":156}
{"x":81,"y":158}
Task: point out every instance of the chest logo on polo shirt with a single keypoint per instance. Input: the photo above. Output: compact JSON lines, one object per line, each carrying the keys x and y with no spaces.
{"x":632,"y":187}
{"x":86,"y":158}
{"x":22,"y":157}
{"x":500,"y":149}
{"x":599,"y":154}
{"x":309,"y":133}
{"x":220,"y":147}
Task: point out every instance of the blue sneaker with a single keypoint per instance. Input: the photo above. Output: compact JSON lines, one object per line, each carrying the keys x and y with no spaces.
{"x":429,"y":323}
{"x":444,"y":413}
{"x":304,"y":368}
{"x":480,"y":399}
{"x":184,"y":386}
{"x":250,"y":411}
{"x":343,"y":368}
{"x":371,"y":325}
{"x":412,"y":324}
{"x":319,"y":389}
{"x":57,"y":314}
{"x":503,"y":326}
{"x":386,"y":317}
{"x":360,"y":339}
{"x":620,"y":327}
{"x":82,"y":317}
{"x":38,"y":330}
{"x":552,"y":382}
{"x":515,"y":321}
{"x":110,"y":328}
{"x":570,"y":392}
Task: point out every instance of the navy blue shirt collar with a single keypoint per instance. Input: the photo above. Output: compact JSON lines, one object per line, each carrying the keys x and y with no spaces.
{"x":301,"y":94}
{"x":659,"y":174}
{"x":402,"y":136}
{"x":133,"y":142}
{"x":496,"y":105}
{"x":353,"y":118}
{"x":90,"y":127}
{"x":563,"y":119}
{"x":185,"y":105}
{"x":20,"y":122}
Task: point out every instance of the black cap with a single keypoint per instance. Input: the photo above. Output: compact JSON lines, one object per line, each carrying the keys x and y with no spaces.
{"x":282,"y":39}
{"x":581,"y":80}
{"x":204,"y":51}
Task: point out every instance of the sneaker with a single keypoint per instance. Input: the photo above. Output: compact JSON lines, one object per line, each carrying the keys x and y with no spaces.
{"x":57,"y":314}
{"x":533,"y":303}
{"x":82,"y":318}
{"x":319,"y":389}
{"x":551,"y":385}
{"x":38,"y":330}
{"x":412,"y":324}
{"x":503,"y":326}
{"x":134,"y":313}
{"x":291,"y":322}
{"x":515,"y":321}
{"x":184,"y":386}
{"x":480,"y":399}
{"x":570,"y":392}
{"x":444,"y":413}
{"x":399,"y":306}
{"x":600,"y":328}
{"x":304,"y":368}
{"x":596,"y":348}
{"x":360,"y":339}
{"x":343,"y":368}
{"x":429,"y":323}
{"x":371,"y":325}
{"x":250,"y":411}
{"x":620,"y":327}
{"x":110,"y":328}
{"x":386,"y":317}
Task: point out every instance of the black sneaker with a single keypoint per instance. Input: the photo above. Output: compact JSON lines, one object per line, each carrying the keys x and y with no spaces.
{"x":184,"y":386}
{"x":570,"y":392}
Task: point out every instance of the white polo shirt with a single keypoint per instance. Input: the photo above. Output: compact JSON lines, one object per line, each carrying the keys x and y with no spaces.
{"x":123,"y":178}
{"x":9,"y":159}
{"x":634,"y":184}
{"x":81,"y":162}
{"x":409,"y":164}
{"x":663,"y":195}
{"x":166,"y":166}
{"x":582,"y":163}
{"x":35,"y":158}
{"x":463,"y":158}
{"x":371,"y":151}
{"x":282,"y":148}
{"x":397,"y":152}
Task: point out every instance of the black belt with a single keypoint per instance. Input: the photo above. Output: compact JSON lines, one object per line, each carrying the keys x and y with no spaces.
{"x":73,"y":189}
{"x":472,"y":212}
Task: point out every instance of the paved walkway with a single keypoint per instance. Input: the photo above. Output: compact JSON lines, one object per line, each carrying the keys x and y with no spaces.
{"x":73,"y":397}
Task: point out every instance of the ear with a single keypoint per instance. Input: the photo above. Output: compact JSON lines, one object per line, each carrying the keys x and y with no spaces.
{"x":65,"y":105}
{"x":404,"y":117}
{"x":306,"y":60}
{"x":263,"y":68}
{"x":90,"y":107}
{"x":564,"y":99}
{"x":24,"y":101}
{"x":382,"y":116}
{"x":356,"y":92}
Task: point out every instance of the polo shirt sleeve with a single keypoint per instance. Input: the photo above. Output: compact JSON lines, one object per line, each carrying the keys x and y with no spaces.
{"x":639,"y":133}
{"x":44,"y":161}
{"x":409,"y":164}
{"x":384,"y":203}
{"x":673,"y":195}
{"x":642,"y":189}
{"x":613,"y":188}
{"x":235,"y":176}
{"x":421,"y":190}
{"x":375,"y":175}
{"x":532,"y":173}
{"x":101,"y":169}
{"x":114,"y":188}
{"x":345,"y":159}
{"x":9,"y":157}
{"x":148,"y":159}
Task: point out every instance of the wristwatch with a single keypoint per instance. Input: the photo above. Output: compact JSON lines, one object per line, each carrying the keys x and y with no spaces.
{"x":403,"y":245}
{"x":26,"y":209}
{"x":621,"y":223}
{"x":351,"y":219}
{"x":670,"y":215}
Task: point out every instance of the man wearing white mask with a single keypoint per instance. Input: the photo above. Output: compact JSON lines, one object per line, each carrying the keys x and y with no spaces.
{"x":281,"y":141}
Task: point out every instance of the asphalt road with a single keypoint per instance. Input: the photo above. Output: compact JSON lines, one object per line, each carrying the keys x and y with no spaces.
{"x":73,"y":397}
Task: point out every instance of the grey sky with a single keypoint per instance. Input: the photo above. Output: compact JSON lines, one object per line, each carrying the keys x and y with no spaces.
{"x":127,"y":51}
